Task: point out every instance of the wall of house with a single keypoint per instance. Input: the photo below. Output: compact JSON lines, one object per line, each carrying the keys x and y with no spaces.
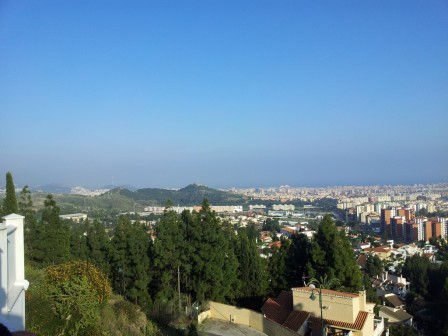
{"x":249,"y":318}
{"x":339,"y":308}
{"x":369,"y":327}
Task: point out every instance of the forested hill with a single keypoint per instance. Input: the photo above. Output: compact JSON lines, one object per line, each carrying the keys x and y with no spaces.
{"x":193,"y":194}
{"x":123,"y":200}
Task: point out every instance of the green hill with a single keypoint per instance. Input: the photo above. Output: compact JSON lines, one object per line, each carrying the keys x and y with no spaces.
{"x":188,"y":196}
{"x":124,"y":200}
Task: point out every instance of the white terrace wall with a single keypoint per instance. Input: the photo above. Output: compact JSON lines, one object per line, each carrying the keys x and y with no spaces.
{"x":12,"y":275}
{"x":249,"y":318}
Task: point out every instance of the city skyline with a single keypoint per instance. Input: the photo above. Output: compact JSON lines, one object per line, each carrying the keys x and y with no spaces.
{"x":224,"y":93}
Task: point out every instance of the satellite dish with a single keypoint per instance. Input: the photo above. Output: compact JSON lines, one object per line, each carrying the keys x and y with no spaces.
{"x":312,"y":286}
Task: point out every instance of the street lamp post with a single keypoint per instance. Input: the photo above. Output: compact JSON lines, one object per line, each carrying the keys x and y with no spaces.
{"x":313,"y":297}
{"x":318,"y":285}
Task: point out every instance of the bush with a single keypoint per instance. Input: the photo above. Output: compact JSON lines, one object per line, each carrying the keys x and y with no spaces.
{"x":73,"y":270}
{"x":67,"y":299}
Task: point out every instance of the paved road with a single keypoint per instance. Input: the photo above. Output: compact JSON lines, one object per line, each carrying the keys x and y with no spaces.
{"x":214,"y":327}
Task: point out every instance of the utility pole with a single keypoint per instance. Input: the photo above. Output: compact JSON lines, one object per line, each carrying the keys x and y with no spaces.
{"x":178,"y":288}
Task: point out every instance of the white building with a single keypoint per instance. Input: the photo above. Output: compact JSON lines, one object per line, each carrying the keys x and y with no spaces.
{"x":284,"y":207}
{"x":76,"y":217}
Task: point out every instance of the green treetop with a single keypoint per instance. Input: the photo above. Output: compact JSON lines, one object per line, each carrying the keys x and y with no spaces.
{"x":332,"y":256}
{"x":52,"y":240}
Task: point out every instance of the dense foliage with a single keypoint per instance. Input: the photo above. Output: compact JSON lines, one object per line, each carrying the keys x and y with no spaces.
{"x":66,"y":299}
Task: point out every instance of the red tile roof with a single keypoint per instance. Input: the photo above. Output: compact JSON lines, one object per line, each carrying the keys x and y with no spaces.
{"x":273,"y":311}
{"x":326,"y":291}
{"x":296,"y":319}
{"x":280,"y":310}
{"x":357,"y":325}
{"x":288,"y":230}
{"x":361,"y":261}
{"x":277,"y":244}
{"x":285,"y":300}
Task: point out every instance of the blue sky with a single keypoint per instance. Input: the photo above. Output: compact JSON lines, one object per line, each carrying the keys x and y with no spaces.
{"x":224,"y":93}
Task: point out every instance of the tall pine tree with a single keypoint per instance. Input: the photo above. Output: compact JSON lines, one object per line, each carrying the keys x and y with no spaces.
{"x":298,"y":255}
{"x":130,"y":262}
{"x":168,"y":249}
{"x":252,"y":270}
{"x":55,"y":238}
{"x":98,"y":246}
{"x":26,"y":209}
{"x":139,"y":260}
{"x":332,"y":256}
{"x":214,"y":264}
{"x":78,"y":240}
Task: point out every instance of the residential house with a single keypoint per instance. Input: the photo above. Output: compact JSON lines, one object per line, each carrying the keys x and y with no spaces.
{"x":343,"y":313}
{"x":395,"y":316}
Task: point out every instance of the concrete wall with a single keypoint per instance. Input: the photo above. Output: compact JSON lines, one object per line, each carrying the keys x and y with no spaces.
{"x":204,"y":315}
{"x":249,"y":318}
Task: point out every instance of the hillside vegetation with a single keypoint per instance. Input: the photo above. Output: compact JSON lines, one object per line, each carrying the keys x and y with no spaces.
{"x":124,"y":200}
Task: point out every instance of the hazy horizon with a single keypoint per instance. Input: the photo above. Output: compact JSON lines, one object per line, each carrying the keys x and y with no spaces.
{"x":224,"y":93}
{"x":90,"y":187}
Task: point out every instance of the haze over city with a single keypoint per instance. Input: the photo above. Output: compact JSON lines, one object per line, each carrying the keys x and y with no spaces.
{"x":224,"y":93}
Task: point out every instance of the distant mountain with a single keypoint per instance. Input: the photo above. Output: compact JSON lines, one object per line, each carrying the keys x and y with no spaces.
{"x":125,"y":186}
{"x":192,"y":194}
{"x":124,"y":200}
{"x":53,"y":188}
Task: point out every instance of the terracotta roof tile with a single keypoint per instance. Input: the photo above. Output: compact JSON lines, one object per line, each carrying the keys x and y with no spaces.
{"x":326,"y":291}
{"x":296,"y":319}
{"x":284,"y":299}
{"x":273,"y":311}
{"x":361,"y":261}
{"x":357,"y":325}
{"x":277,"y":244}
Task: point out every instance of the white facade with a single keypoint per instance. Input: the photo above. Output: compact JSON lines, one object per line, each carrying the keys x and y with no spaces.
{"x":12,"y":273}
{"x":76,"y":217}
{"x":284,"y":207}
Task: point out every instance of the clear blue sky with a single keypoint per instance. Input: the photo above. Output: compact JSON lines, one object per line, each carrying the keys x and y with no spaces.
{"x":224,"y":93}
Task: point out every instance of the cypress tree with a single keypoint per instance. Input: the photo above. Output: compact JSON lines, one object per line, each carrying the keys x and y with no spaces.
{"x":10,"y":201}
